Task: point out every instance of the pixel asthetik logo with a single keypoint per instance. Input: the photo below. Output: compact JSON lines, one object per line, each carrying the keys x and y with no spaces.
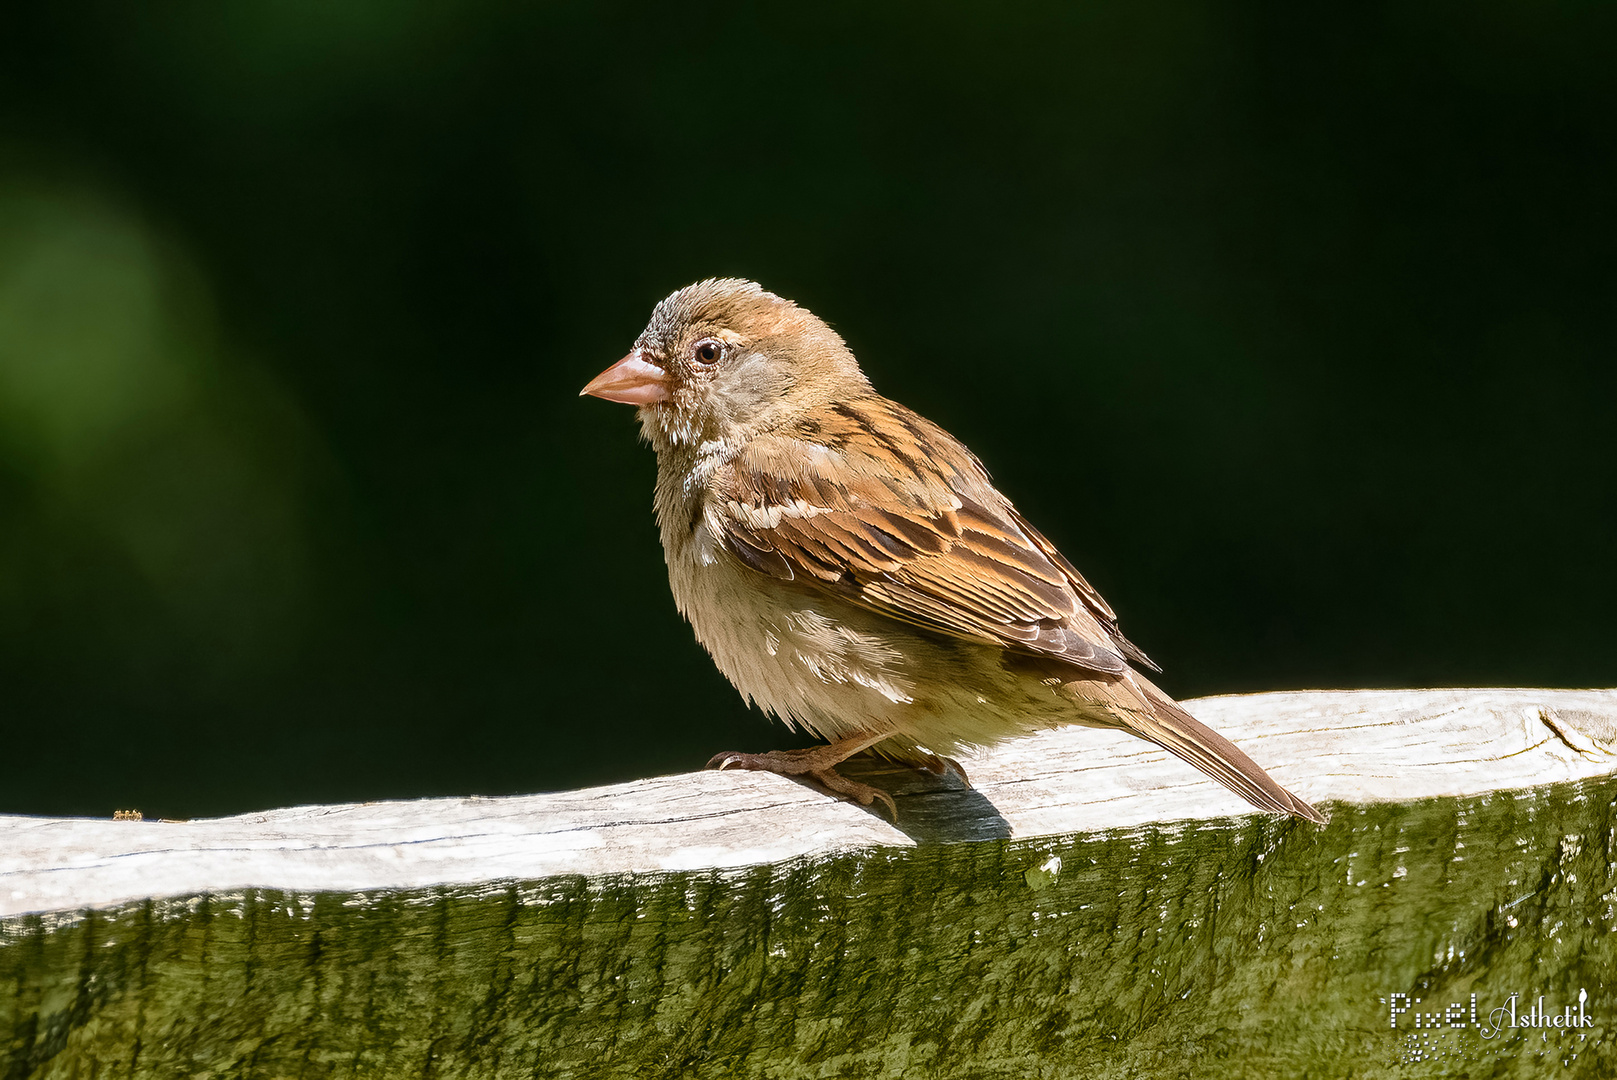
{"x":1446,"y":1032}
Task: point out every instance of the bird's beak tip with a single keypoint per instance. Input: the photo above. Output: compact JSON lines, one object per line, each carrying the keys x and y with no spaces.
{"x":632,"y":381}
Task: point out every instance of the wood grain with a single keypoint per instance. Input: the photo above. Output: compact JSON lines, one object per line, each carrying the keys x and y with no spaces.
{"x":1333,"y":748}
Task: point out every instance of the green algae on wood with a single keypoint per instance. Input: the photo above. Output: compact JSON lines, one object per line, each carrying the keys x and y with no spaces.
{"x":1239,"y":946}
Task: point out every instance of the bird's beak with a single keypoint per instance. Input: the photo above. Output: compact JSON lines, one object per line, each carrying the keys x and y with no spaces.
{"x":632,"y":380}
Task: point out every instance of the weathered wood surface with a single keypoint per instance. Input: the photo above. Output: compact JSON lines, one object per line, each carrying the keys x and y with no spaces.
{"x":1327,"y":746}
{"x":1123,"y":918}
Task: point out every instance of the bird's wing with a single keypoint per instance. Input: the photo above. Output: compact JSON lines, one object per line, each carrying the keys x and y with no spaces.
{"x":872,"y":502}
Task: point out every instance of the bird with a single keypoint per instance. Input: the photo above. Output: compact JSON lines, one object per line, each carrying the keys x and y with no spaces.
{"x":852,"y":569}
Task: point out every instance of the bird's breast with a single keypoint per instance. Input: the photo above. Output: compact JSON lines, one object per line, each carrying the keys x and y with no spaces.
{"x":803,"y":657}
{"x":812,"y":658}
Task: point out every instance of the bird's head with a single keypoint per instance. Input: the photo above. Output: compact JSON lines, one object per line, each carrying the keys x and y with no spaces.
{"x":724,"y":360}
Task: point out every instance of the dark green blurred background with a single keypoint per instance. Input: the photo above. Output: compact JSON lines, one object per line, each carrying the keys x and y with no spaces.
{"x":1295,"y":328}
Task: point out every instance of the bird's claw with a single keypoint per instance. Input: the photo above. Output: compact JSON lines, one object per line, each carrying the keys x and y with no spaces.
{"x":938,"y":765}
{"x":809,"y":765}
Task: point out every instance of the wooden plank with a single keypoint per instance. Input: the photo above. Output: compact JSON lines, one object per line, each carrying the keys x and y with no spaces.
{"x":1328,"y":747}
{"x":561,"y":941}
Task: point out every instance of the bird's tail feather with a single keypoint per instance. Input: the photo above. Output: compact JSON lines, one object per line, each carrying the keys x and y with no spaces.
{"x":1181,"y":734}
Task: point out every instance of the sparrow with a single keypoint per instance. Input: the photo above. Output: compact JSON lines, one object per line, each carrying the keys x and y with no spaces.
{"x":852,"y":569}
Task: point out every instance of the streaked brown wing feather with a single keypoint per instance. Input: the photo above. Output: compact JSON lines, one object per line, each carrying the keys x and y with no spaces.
{"x":1096,"y":603}
{"x":871,"y":501}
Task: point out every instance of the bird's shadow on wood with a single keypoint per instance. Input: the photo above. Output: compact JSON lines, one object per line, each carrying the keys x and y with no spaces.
{"x":933,"y":808}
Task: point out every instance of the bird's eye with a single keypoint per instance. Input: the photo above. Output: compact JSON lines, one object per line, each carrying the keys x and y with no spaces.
{"x":708,"y":352}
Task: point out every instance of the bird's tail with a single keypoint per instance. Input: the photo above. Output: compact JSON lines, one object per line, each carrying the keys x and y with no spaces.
{"x":1181,"y":734}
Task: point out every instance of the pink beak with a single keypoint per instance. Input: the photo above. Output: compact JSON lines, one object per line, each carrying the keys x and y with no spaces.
{"x":631,"y":380}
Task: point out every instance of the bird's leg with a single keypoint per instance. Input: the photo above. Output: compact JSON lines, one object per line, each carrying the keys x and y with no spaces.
{"x":818,"y":763}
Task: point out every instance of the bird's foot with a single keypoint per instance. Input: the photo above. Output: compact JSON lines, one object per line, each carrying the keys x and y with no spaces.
{"x":938,"y":765}
{"x":817,"y":764}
